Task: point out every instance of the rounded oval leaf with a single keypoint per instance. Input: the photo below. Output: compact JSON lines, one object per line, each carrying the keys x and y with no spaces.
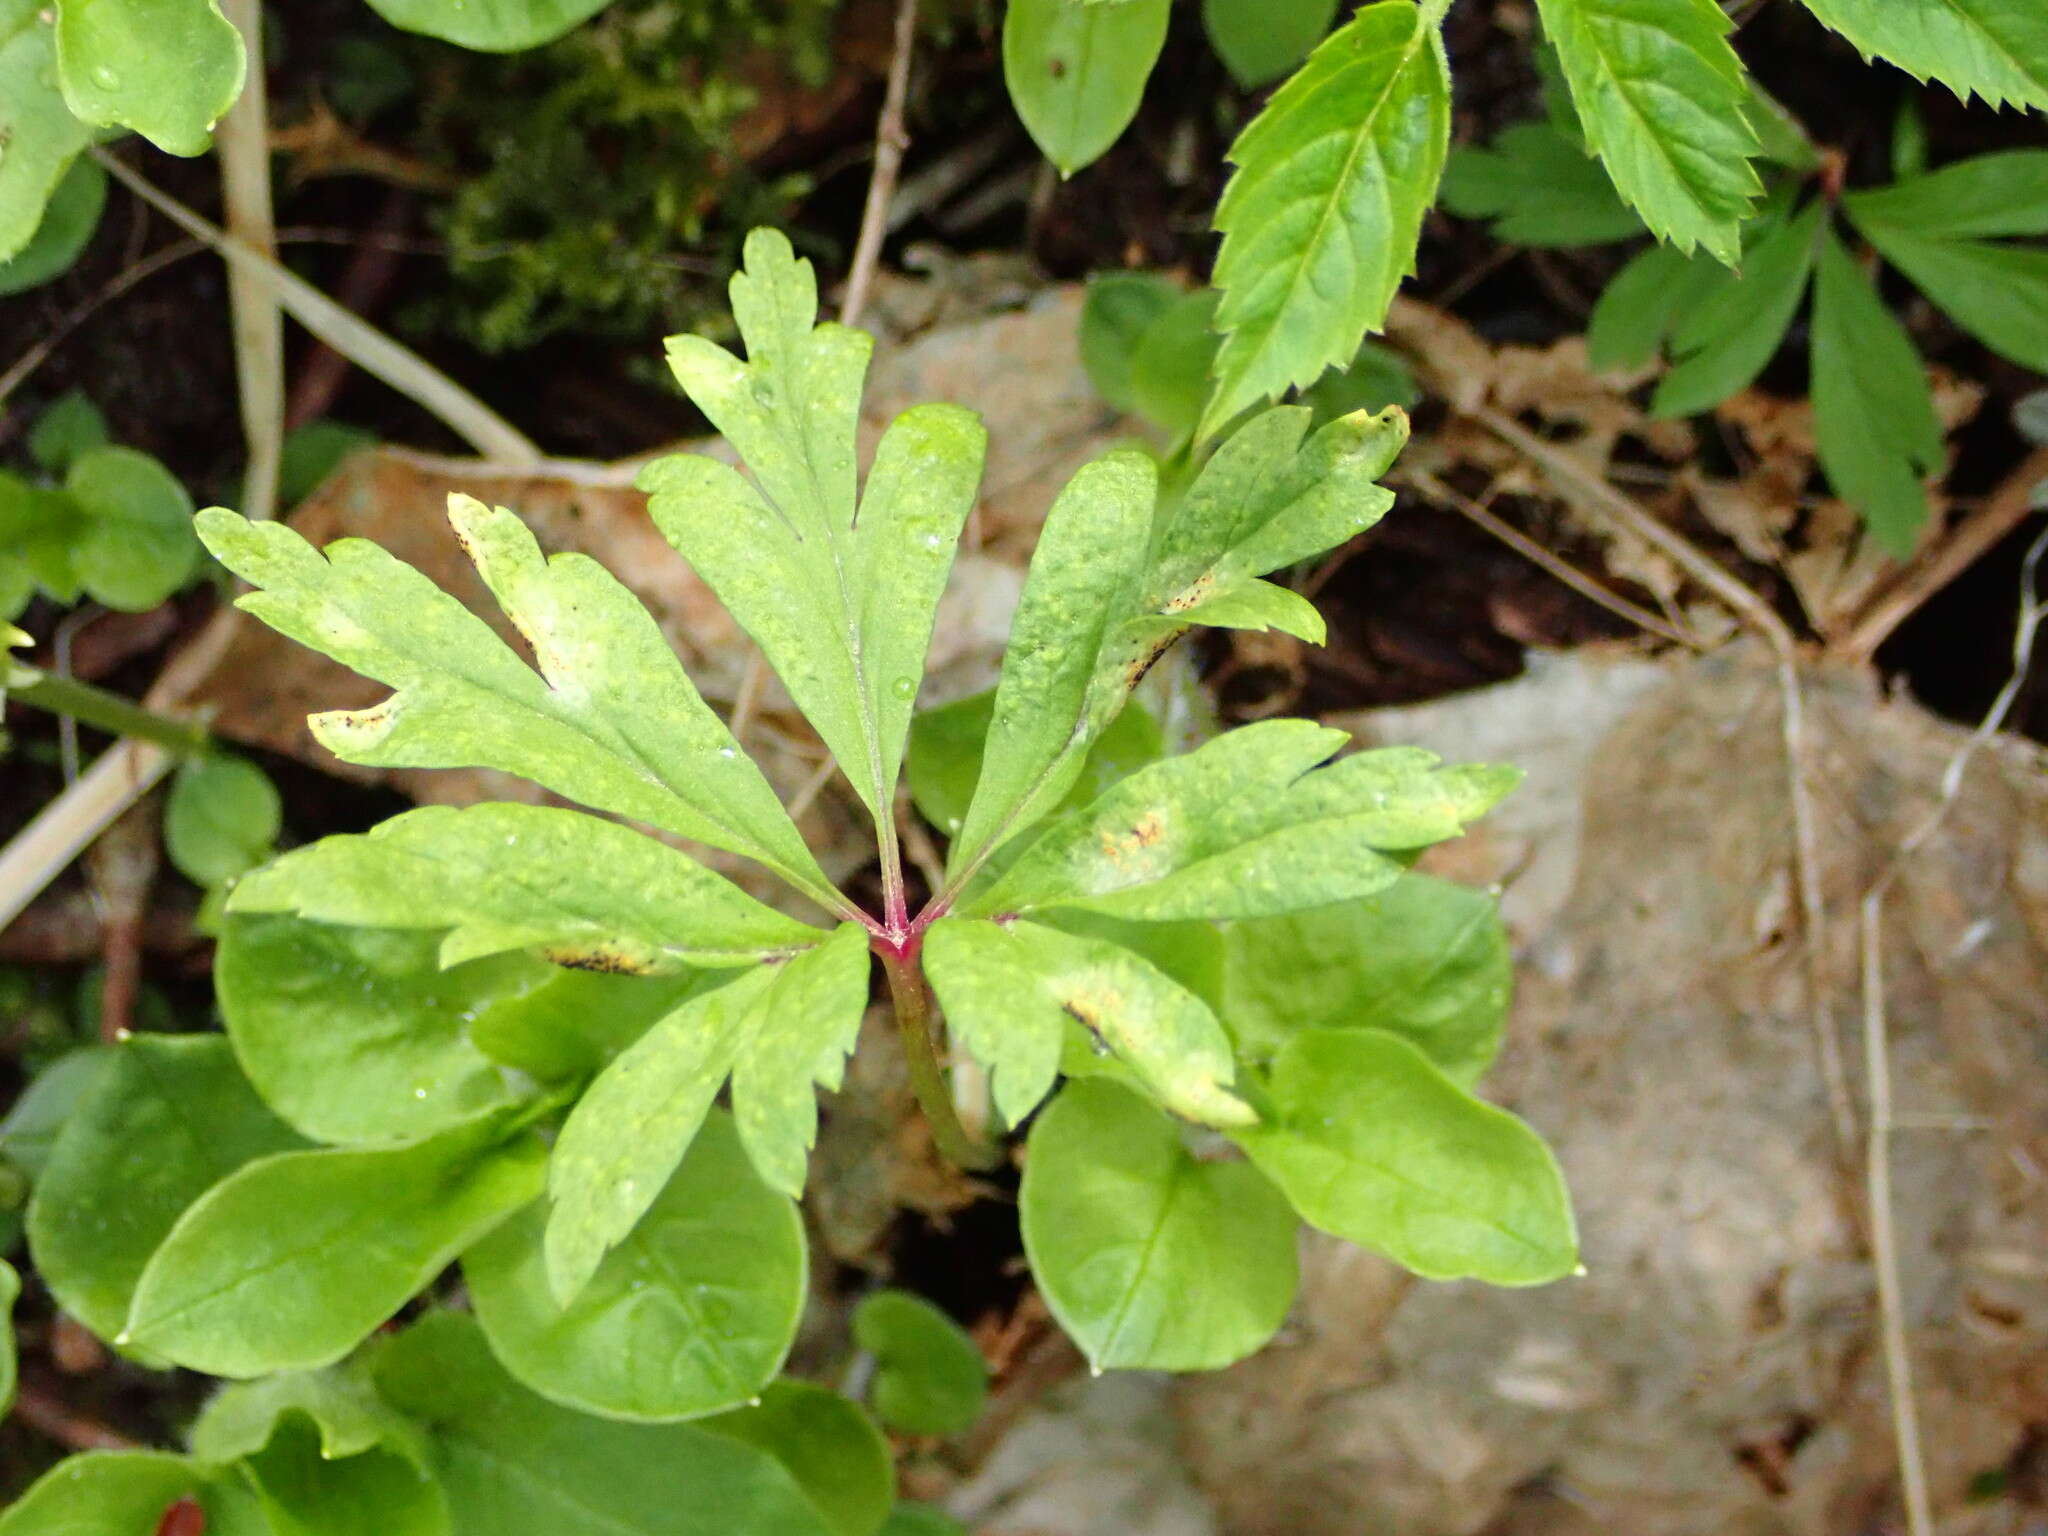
{"x":1077,"y":72}
{"x":930,"y":1379}
{"x":489,"y":26}
{"x":222,"y":818}
{"x":69,"y":219}
{"x":832,"y":1449}
{"x":168,"y":69}
{"x":137,"y":546}
{"x":1260,"y":40}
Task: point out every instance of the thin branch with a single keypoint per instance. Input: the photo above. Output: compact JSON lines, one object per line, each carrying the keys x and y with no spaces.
{"x":890,"y":141}
{"x":243,"y":140}
{"x":49,"y":1415}
{"x":60,"y":331}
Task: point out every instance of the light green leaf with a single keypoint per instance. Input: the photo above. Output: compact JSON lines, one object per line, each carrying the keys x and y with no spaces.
{"x":1009,"y":989}
{"x":1077,"y":73}
{"x":347,"y":1414}
{"x":222,"y":818}
{"x":840,"y":594}
{"x":1321,"y":219}
{"x":1118,"y":309}
{"x":1996,"y":49}
{"x":1424,"y":959}
{"x":169,"y":69}
{"x":1260,"y":40}
{"x":1539,"y":187}
{"x":305,"y":1491}
{"x":1873,"y":411}
{"x":69,"y":219}
{"x":1243,"y":828}
{"x":610,"y":720}
{"x":1374,"y":1145}
{"x":1998,"y":293}
{"x":1662,"y":98}
{"x":1170,"y":369}
{"x":571,"y":1023}
{"x":831,"y":1448}
{"x":125,"y":1493}
{"x":692,"y":1313}
{"x":10,"y":1292}
{"x":41,"y":135}
{"x":1722,"y":343}
{"x":930,"y":1378}
{"x":1976,"y":199}
{"x":921,"y":1520}
{"x":71,"y":425}
{"x":1150,"y":1258}
{"x":489,"y":26}
{"x":511,"y":1461}
{"x":166,"y":1119}
{"x":29,"y":1133}
{"x":136,"y":548}
{"x":356,"y":1034}
{"x":777,"y":1029}
{"x":498,"y":877}
{"x":290,"y":1262}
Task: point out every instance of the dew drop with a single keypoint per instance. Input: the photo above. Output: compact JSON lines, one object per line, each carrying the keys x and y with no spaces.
{"x":105,"y":77}
{"x":904,"y":687}
{"x":728,"y":752}
{"x":419,"y":1093}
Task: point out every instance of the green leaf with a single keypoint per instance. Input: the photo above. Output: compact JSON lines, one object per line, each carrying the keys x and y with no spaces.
{"x":831,"y":1448}
{"x":512,"y":1461}
{"x":10,"y":1292}
{"x":1662,"y":98}
{"x":1998,"y":293}
{"x":1424,"y":959}
{"x":70,"y":426}
{"x":610,"y":720}
{"x":166,"y":1118}
{"x":339,"y":1402}
{"x":1150,"y":1258}
{"x":290,"y":1262}
{"x":1170,"y":370}
{"x":1975,"y":199}
{"x":69,"y":219}
{"x":169,"y":69}
{"x":500,"y":877}
{"x":1723,"y":342}
{"x":1261,"y":40}
{"x":1077,"y":73}
{"x":137,"y":546}
{"x":125,"y":1493}
{"x":1539,"y":187}
{"x":313,"y":452}
{"x":921,"y":1520}
{"x":303,"y":1488}
{"x":222,"y":818}
{"x":1996,"y":49}
{"x":1321,"y":219}
{"x":1009,"y":990}
{"x":356,"y":1034}
{"x":1781,"y":138}
{"x":1118,"y":309}
{"x":1643,"y":301}
{"x":29,"y":1133}
{"x":693,"y":1312}
{"x":1374,"y":1145}
{"x":41,"y":135}
{"x":776,"y":1029}
{"x":838,"y":588}
{"x":571,"y":1023}
{"x":930,"y":1378}
{"x":1243,"y":827}
{"x":1373,"y":380}
{"x":1873,"y":411}
{"x":489,"y":26}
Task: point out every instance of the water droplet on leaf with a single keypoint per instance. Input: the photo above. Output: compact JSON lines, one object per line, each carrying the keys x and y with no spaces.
{"x":904,"y":687}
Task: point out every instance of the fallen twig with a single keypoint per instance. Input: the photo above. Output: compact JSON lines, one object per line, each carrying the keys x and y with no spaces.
{"x":890,"y":142}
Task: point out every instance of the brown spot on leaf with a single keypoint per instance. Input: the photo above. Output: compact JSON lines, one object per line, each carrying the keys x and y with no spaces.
{"x":184,"y":1518}
{"x":611,"y":959}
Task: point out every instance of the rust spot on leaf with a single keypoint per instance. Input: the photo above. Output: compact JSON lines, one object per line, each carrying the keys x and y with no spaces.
{"x":1118,"y":847}
{"x":612,"y":959}
{"x":184,"y":1518}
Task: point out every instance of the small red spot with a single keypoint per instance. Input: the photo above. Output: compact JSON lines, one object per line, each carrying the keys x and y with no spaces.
{"x":184,"y":1518}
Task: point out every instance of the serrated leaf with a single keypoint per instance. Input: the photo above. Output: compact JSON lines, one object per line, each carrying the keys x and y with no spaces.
{"x":1873,"y":412}
{"x":610,"y":720}
{"x":777,"y":1029}
{"x":1077,"y":73}
{"x":41,"y":135}
{"x":1260,"y":40}
{"x":1662,"y":96}
{"x":136,"y":546}
{"x":930,"y":1377}
{"x":221,"y":819}
{"x":512,"y":1461}
{"x":489,"y":26}
{"x":357,"y":1035}
{"x":1996,"y":49}
{"x":1723,"y":341}
{"x":290,"y":1262}
{"x":1320,"y":220}
{"x":114,"y":1493}
{"x":498,"y":877}
{"x":1374,"y":1145}
{"x":1243,"y":827}
{"x":1981,"y":198}
{"x":1010,"y":989}
{"x":68,"y":222}
{"x":1424,"y":959}
{"x":1996,"y":292}
{"x":1115,"y":314}
{"x":1149,"y":1258}
{"x":165,"y":1120}
{"x":1540,"y":187}
{"x":828,"y":1445}
{"x":692,"y":1313}
{"x":169,"y":69}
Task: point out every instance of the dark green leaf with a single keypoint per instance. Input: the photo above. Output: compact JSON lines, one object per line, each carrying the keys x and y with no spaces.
{"x":921,"y":1520}
{"x":1260,"y":40}
{"x":1998,"y":293}
{"x":29,"y":1132}
{"x":136,"y":548}
{"x":1722,"y":343}
{"x":302,"y":1487}
{"x":930,"y":1378}
{"x":222,"y":818}
{"x":1540,"y":187}
{"x":10,"y":1290}
{"x":41,"y":135}
{"x":312,"y":453}
{"x":1375,"y":379}
{"x":1150,"y":1258}
{"x":70,"y":425}
{"x":126,"y":1493}
{"x":571,"y":1023}
{"x":1119,"y":308}
{"x":1076,"y":73}
{"x":69,"y":219}
{"x":1170,"y":370}
{"x":831,"y":1448}
{"x":1976,"y":199}
{"x":1643,"y":301}
{"x":1996,"y":49}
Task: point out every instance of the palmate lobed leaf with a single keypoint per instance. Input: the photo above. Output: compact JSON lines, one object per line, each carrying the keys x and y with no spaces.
{"x":610,"y":720}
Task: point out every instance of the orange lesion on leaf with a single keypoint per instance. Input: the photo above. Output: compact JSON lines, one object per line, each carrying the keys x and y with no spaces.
{"x":1120,"y":847}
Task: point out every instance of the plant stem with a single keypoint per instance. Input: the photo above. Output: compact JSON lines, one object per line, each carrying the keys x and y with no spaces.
{"x":913,"y":1000}
{"x":111,"y":713}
